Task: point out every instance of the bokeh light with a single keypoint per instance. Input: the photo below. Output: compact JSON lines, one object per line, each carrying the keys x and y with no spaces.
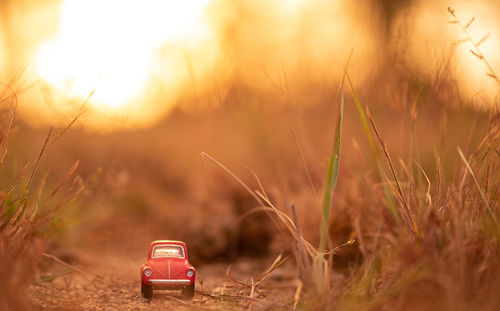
{"x":110,"y":46}
{"x":144,"y":57}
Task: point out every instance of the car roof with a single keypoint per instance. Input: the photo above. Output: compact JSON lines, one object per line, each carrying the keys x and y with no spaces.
{"x":168,"y":242}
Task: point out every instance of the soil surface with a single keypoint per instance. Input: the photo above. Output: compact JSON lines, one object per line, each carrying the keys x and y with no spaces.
{"x":109,"y":279}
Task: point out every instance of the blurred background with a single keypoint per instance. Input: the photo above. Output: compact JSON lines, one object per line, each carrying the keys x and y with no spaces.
{"x":254,"y":84}
{"x":144,"y":59}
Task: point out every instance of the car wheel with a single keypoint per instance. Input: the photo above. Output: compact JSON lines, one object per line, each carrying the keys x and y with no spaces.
{"x":148,"y":291}
{"x":188,"y":291}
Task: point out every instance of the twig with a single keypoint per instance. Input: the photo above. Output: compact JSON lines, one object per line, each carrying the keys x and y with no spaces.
{"x":233,"y":279}
{"x":298,"y":293}
{"x":62,"y":262}
{"x":481,"y":192}
{"x":400,"y":192}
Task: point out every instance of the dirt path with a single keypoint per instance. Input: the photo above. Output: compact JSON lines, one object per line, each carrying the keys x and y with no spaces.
{"x":112,"y":283}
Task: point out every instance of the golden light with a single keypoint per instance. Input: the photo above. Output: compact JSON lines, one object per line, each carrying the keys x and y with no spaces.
{"x":295,"y":44}
{"x":485,"y":25}
{"x":433,"y":40}
{"x":111,"y":46}
{"x":143,"y":57}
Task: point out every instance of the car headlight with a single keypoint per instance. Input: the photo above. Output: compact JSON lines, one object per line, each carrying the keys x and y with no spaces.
{"x":148,"y":272}
{"x":190,"y":273}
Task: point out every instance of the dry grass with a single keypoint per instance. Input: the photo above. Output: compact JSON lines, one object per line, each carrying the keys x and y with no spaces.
{"x":26,"y":212}
{"x":447,"y":259}
{"x":412,"y":223}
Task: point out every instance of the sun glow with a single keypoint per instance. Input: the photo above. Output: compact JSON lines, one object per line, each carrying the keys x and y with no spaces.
{"x":111,"y":46}
{"x":434,"y":37}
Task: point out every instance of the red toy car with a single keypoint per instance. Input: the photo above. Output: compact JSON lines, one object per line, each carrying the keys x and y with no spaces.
{"x":167,"y":267}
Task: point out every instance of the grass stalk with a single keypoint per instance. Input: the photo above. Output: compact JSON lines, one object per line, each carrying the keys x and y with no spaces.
{"x":476,"y":50}
{"x":364,"y":122}
{"x":479,"y":189}
{"x":411,"y":221}
{"x":331,"y":181}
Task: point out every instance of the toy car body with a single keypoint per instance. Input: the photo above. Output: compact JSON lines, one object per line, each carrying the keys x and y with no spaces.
{"x":167,"y":267}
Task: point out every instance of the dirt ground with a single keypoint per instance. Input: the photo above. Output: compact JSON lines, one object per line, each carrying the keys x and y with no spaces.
{"x":109,"y":279}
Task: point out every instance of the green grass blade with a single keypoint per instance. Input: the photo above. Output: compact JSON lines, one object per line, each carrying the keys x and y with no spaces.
{"x":331,"y":176}
{"x":362,"y":116}
{"x":54,"y":276}
{"x":371,"y":141}
{"x":331,"y":181}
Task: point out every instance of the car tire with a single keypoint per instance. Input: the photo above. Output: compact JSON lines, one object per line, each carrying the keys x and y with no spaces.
{"x":148,"y":291}
{"x":188,"y":291}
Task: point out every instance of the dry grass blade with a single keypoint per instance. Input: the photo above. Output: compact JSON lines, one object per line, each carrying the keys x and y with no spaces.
{"x":205,"y":155}
{"x":483,"y":39}
{"x":438,"y":178}
{"x":470,"y":22}
{"x":43,"y":181}
{"x":492,"y":75}
{"x":252,"y":287}
{"x":264,"y":201}
{"x":10,"y":85}
{"x":412,"y":186}
{"x":79,"y":114}
{"x":261,"y":187}
{"x":276,"y":263}
{"x":476,"y":51}
{"x":228,"y":275}
{"x":338,"y":248}
{"x":62,"y":262}
{"x":13,"y":185}
{"x":252,"y":211}
{"x":304,"y":165}
{"x":5,"y":135}
{"x":491,"y":144}
{"x":366,"y":127}
{"x":400,"y":191}
{"x":303,"y":259}
{"x":71,"y":193}
{"x":428,"y":192}
{"x":265,"y":208}
{"x":481,"y":192}
{"x":68,"y":174}
{"x":298,"y":293}
{"x":289,"y":225}
{"x":478,"y":55}
{"x":26,"y":189}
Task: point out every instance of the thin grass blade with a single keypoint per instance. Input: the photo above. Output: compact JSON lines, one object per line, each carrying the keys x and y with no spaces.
{"x":331,"y":181}
{"x":387,"y":193}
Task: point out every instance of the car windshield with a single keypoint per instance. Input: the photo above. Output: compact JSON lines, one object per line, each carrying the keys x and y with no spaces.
{"x":168,"y":251}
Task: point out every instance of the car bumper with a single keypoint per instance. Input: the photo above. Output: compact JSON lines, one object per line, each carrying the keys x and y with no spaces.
{"x":173,"y":282}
